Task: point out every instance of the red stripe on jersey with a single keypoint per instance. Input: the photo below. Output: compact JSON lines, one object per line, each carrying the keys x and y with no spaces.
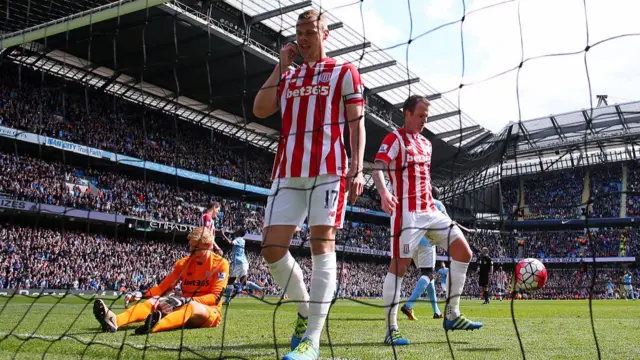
{"x":333,"y":122}
{"x":422,"y":179}
{"x":301,"y":122}
{"x":319,"y":120}
{"x":280,"y":166}
{"x":411,"y":172}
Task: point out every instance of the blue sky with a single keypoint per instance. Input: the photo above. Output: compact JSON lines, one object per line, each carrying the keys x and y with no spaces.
{"x":549,"y":85}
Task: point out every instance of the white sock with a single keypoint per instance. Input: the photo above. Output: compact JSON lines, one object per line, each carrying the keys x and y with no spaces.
{"x":391,"y":298}
{"x":323,"y":285}
{"x":288,"y":275}
{"x":458,"y":275}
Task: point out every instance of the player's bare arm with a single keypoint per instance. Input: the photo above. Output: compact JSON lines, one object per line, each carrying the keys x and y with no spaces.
{"x":389,"y":201}
{"x":266,"y":101}
{"x":355,"y":178}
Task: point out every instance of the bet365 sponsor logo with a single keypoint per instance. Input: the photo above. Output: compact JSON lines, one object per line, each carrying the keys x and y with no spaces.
{"x":188,"y":282}
{"x":418,"y":158}
{"x":322,"y":90}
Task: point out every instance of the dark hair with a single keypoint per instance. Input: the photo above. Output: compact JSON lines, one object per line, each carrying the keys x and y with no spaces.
{"x":435,"y":192}
{"x":411,"y":102}
{"x":241,"y":232}
{"x":214,"y":205}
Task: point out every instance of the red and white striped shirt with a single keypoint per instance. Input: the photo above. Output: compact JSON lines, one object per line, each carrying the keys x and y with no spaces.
{"x":207,"y":222}
{"x":408,"y":158}
{"x":313,"y":101}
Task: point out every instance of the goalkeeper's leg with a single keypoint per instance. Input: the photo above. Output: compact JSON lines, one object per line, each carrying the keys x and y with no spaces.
{"x":191,"y":315}
{"x":137,"y":313}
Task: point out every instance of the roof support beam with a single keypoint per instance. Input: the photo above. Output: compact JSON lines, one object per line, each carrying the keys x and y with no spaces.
{"x":391,"y":86}
{"x":331,"y":27}
{"x":556,"y":126}
{"x":471,"y":144}
{"x":459,"y":139}
{"x":447,"y":134}
{"x":525,"y":133}
{"x":348,"y":49}
{"x":589,"y":121}
{"x":623,"y":121}
{"x":374,"y":67}
{"x":442,"y":116}
{"x":279,"y":11}
{"x":429,"y":97}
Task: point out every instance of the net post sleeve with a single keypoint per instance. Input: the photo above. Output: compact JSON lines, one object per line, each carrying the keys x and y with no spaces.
{"x":68,"y":23}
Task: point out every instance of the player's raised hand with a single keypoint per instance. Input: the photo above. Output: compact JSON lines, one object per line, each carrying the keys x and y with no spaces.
{"x":354,"y":184}
{"x":389,"y":202}
{"x":288,"y":54}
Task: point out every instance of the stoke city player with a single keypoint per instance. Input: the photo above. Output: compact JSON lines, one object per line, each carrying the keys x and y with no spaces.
{"x":502,"y":282}
{"x":203,"y":275}
{"x":406,"y":155}
{"x":425,"y":260}
{"x":485,"y":270}
{"x":239,"y":266}
{"x":207,"y":220}
{"x":311,"y":176}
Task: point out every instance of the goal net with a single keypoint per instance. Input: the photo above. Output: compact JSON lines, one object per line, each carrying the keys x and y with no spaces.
{"x":174,"y":184}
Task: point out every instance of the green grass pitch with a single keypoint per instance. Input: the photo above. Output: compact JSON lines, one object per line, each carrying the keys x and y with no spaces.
{"x":549,"y":330}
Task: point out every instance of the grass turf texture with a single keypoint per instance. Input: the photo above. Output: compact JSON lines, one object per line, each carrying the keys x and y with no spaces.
{"x":549,"y":330}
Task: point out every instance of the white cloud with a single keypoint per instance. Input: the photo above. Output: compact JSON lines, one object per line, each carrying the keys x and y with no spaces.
{"x":547,"y":85}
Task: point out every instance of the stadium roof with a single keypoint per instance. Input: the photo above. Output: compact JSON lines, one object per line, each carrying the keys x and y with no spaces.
{"x":179,"y":60}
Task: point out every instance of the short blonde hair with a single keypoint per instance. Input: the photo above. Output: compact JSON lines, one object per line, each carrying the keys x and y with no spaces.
{"x":202,"y":236}
{"x":314,"y":15}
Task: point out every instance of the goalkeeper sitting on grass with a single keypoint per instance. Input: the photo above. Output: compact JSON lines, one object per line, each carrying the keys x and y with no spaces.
{"x":203,"y":276}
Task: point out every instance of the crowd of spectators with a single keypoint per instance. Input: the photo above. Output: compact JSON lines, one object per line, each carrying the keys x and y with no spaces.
{"x":554,"y":195}
{"x":606,"y":187}
{"x":633,"y":189}
{"x":510,"y":190}
{"x":40,"y":258}
{"x":89,"y":117}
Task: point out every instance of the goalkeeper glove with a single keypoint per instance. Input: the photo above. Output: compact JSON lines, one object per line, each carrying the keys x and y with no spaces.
{"x":171,"y":303}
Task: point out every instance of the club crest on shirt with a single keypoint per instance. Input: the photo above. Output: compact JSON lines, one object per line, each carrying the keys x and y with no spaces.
{"x":383,"y":148}
{"x":221,"y":275}
{"x":325,"y":77}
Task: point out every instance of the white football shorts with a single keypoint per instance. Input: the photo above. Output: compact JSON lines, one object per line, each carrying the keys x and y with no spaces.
{"x":425,"y":257}
{"x":239,"y":270}
{"x":408,"y":229}
{"x":321,"y":199}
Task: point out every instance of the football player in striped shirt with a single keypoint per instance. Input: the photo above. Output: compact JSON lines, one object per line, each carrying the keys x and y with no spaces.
{"x":406,"y":156}
{"x":207,"y":220}
{"x":311,"y":176}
